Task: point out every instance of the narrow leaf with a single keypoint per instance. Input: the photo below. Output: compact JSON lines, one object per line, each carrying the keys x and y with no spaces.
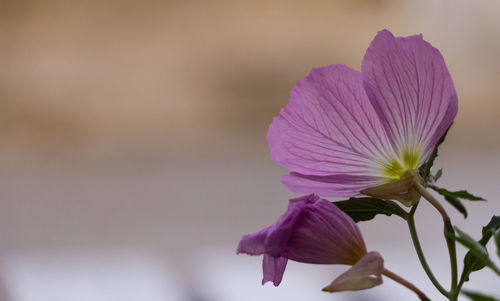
{"x":497,"y":242}
{"x":475,"y":296}
{"x":425,"y":169}
{"x":493,"y":225}
{"x":477,"y":248}
{"x":457,"y":204}
{"x":438,"y":175}
{"x":461,"y":194}
{"x":477,"y":257}
{"x":364,"y":209}
{"x":471,"y":262}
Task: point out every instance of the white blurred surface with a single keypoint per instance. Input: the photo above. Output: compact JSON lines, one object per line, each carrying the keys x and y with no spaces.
{"x":99,"y":275}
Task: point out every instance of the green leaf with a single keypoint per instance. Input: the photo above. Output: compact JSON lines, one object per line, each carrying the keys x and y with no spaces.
{"x":438,"y":175}
{"x":364,"y":209}
{"x":461,"y":194}
{"x":471,"y":262}
{"x":475,"y":247}
{"x":475,"y":296}
{"x":497,"y":242}
{"x":434,"y":178}
{"x":491,"y":227}
{"x":425,"y":169}
{"x":457,"y":204}
{"x":453,"y":197}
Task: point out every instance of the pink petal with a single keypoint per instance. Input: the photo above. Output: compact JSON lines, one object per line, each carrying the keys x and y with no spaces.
{"x":330,"y":128}
{"x":253,"y":244}
{"x":366,"y":273}
{"x":273,"y":269}
{"x":411,"y":90}
{"x":312,"y":230}
{"x":323,"y":234}
{"x":280,"y":232}
{"x":333,"y":185}
{"x":273,"y":239}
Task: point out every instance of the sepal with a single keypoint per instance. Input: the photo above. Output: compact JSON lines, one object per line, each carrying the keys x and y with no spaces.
{"x":401,"y":190}
{"x":366,"y":273}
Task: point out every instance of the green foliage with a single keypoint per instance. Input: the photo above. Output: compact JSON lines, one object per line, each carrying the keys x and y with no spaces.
{"x":460,"y":194}
{"x":477,"y":249}
{"x":475,"y":296}
{"x":491,"y":227}
{"x":497,"y":242}
{"x":474,"y":261}
{"x":425,"y":169}
{"x":364,"y":209}
{"x":453,"y":197}
{"x":437,"y":176}
{"x":457,"y":204}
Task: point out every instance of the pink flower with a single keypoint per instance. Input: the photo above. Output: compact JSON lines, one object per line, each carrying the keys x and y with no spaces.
{"x":314,"y":230}
{"x":345,"y":131}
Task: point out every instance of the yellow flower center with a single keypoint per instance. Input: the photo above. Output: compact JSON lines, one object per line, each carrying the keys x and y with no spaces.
{"x":408,"y":159}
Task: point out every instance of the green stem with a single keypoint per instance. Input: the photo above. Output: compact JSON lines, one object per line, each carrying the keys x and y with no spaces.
{"x":420,"y":253}
{"x":405,"y":283}
{"x":462,"y":280}
{"x":448,"y":234}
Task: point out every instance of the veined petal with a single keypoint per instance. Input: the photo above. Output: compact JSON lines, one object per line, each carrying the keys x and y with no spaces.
{"x":324,"y":234}
{"x":333,"y":185}
{"x":412,"y":91}
{"x":330,"y":128}
{"x":312,"y":230}
{"x":273,"y":269}
{"x":273,"y":239}
{"x":280,"y":232}
{"x":366,"y":273}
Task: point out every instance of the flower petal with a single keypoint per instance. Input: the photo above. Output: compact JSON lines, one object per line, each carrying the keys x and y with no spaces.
{"x":273,"y":239}
{"x":324,"y":234}
{"x":411,"y":90}
{"x":366,"y":273}
{"x":279,"y":233}
{"x":273,"y":269}
{"x":330,"y":128}
{"x":253,"y":244}
{"x":312,"y":230}
{"x":333,"y":185}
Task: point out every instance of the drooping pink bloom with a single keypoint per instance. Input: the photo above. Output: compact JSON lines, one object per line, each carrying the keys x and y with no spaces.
{"x":314,"y":230}
{"x":344,"y":131}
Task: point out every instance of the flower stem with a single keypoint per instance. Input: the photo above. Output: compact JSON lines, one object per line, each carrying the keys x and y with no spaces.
{"x":448,"y":234}
{"x":420,"y":253}
{"x":432,"y":200}
{"x":405,"y":283}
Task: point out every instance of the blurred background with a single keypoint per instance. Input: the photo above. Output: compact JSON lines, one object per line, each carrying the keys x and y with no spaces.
{"x":133,"y":153}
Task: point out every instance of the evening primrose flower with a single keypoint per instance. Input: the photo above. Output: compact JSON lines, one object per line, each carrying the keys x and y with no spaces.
{"x":314,"y":230}
{"x":345,"y":133}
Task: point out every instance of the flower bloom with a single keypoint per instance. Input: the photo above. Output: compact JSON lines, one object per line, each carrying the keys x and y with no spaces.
{"x":344,"y":131}
{"x":314,"y":230}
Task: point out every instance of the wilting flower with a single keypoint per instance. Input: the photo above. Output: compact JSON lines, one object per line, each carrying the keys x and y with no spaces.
{"x":314,"y":230}
{"x":345,"y":131}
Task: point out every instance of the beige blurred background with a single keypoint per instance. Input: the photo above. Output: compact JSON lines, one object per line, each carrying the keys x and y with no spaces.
{"x":133,"y":152}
